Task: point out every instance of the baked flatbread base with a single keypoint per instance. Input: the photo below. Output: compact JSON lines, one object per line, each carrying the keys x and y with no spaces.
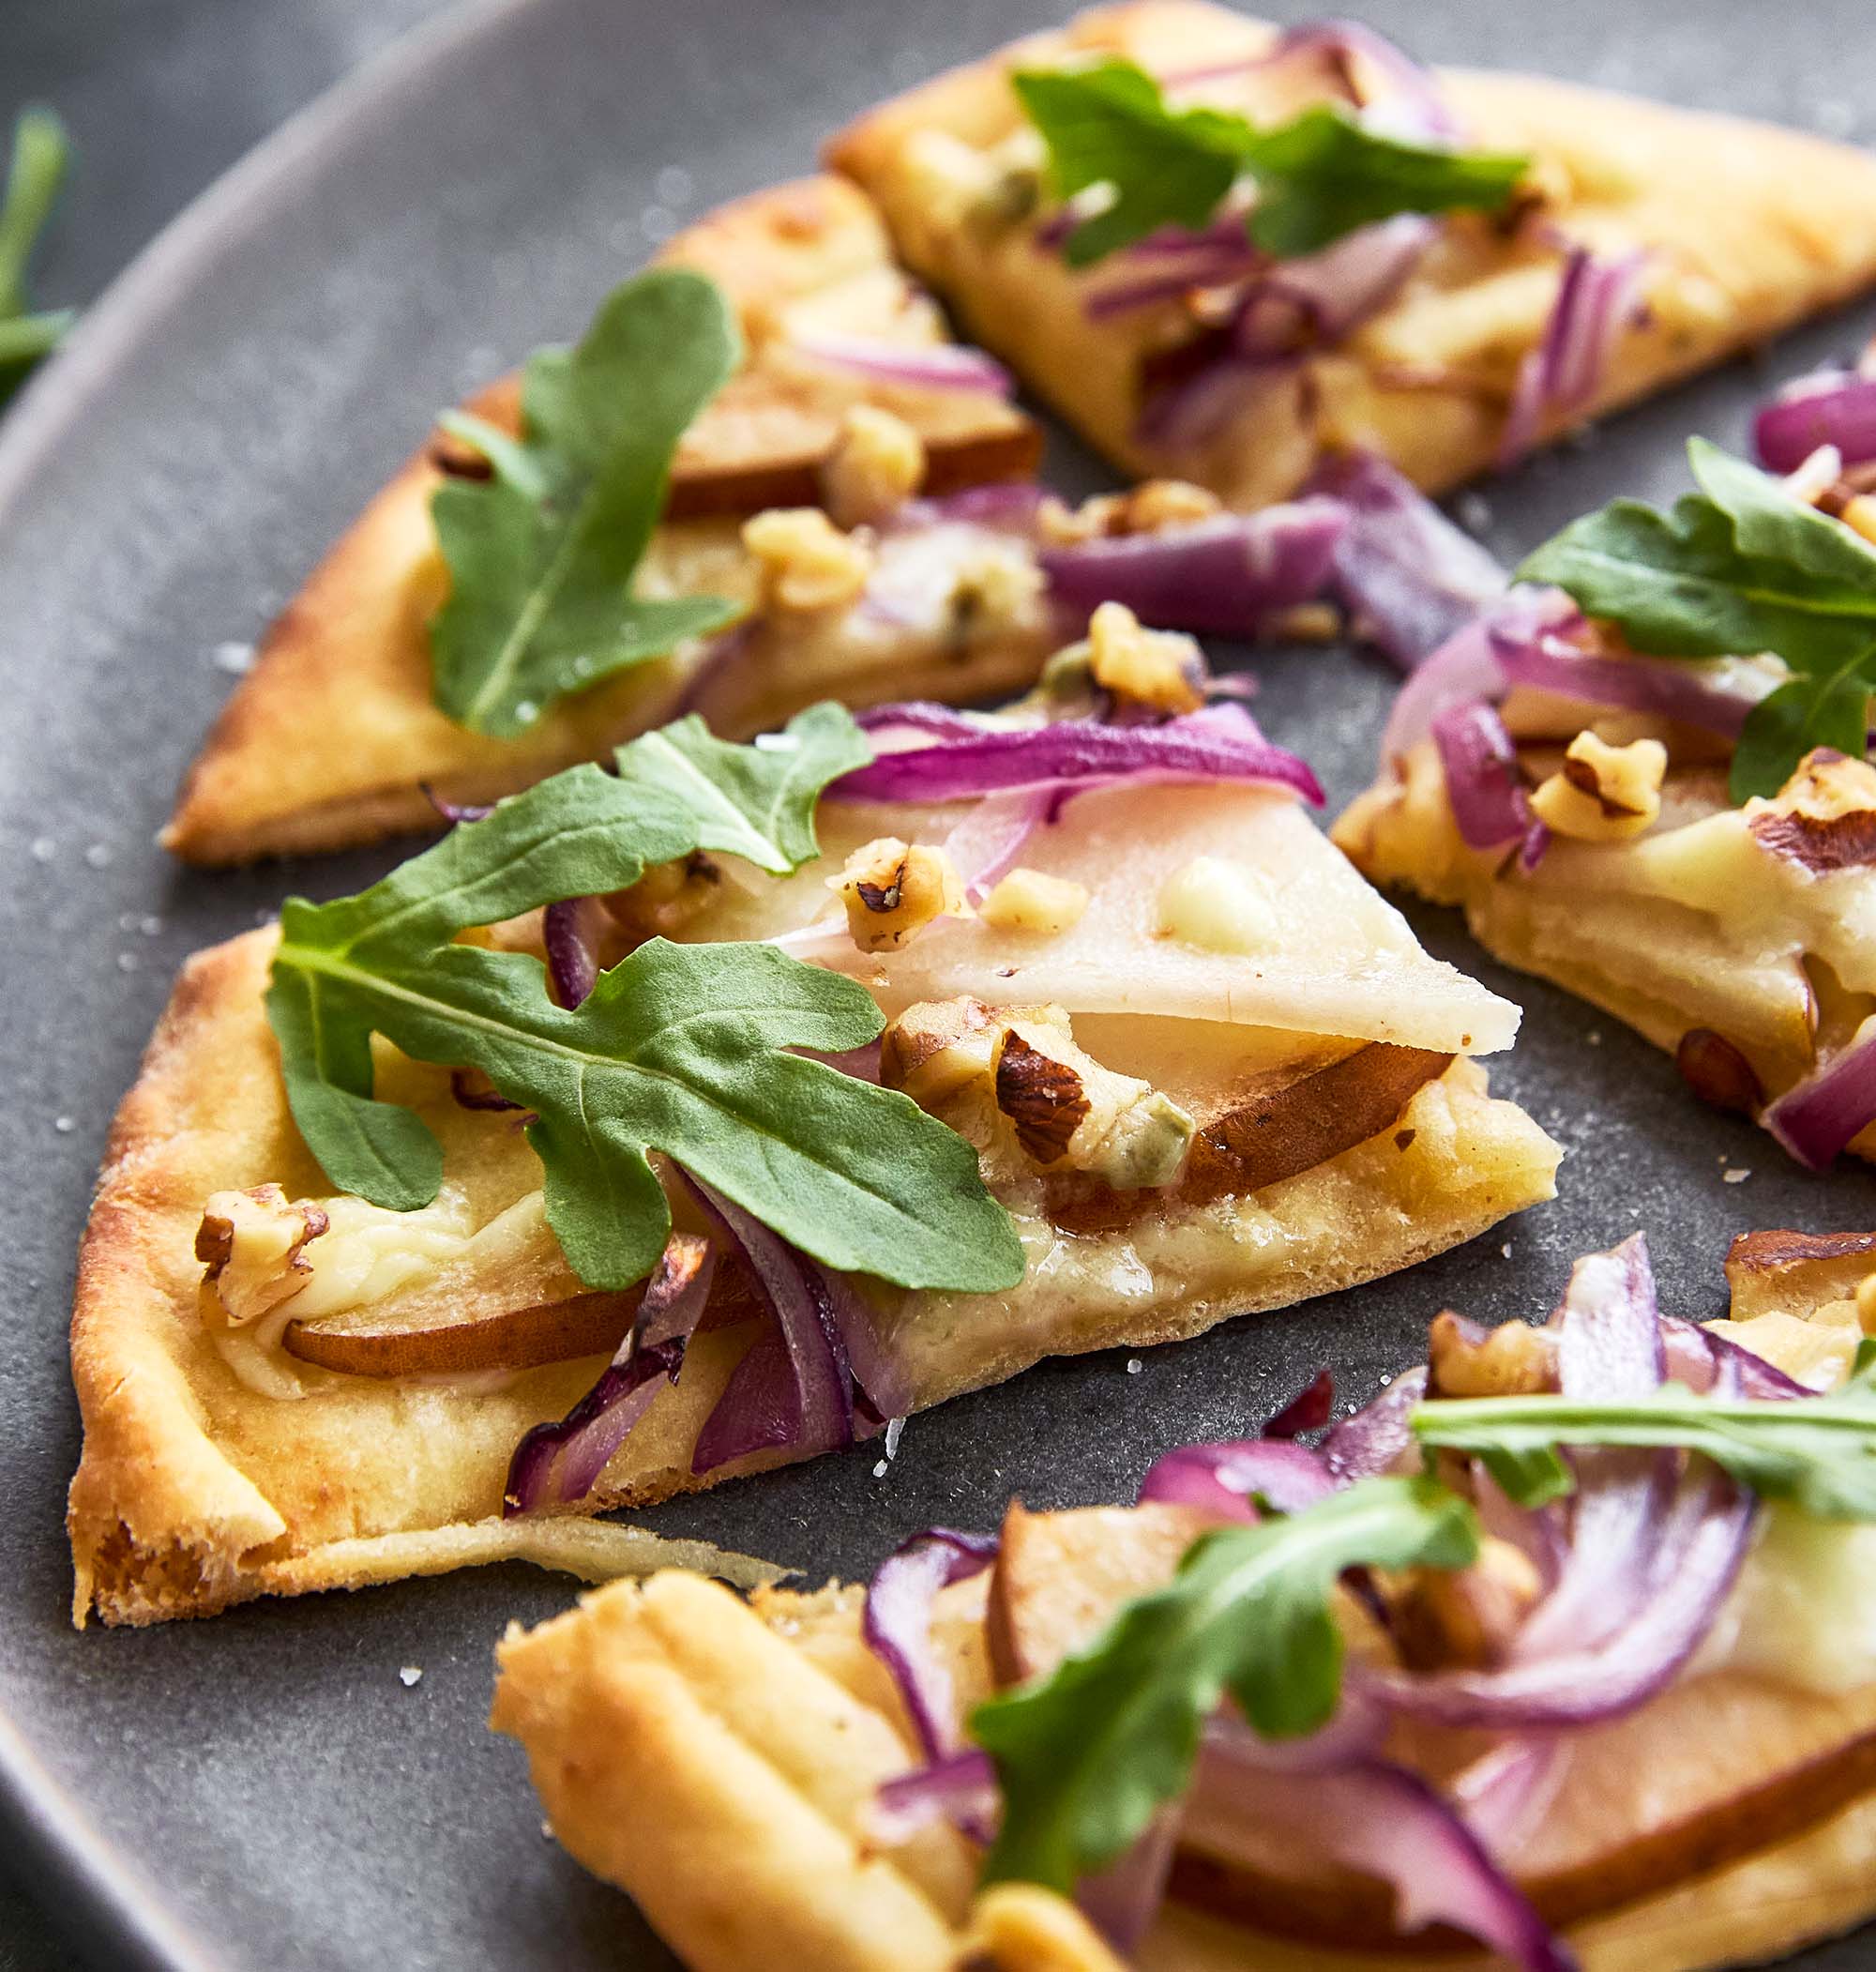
{"x":196,"y":1492}
{"x":331,"y":736}
{"x":717,"y":1762}
{"x":1750,"y":229}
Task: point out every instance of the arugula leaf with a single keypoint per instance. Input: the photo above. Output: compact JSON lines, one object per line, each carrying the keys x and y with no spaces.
{"x":1739,"y":568}
{"x":41,"y":154}
{"x":1818,"y":1452}
{"x":1318,"y":177}
{"x":678,"y":1047}
{"x":1086,"y":1755}
{"x":541,"y":554}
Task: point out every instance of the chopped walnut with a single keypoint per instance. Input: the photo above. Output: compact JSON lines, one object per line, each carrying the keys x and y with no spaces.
{"x":806,"y":562}
{"x":1824,"y":816}
{"x":1466,"y":1618}
{"x":1033,"y":901}
{"x":251,"y":1244}
{"x":1604,"y":793}
{"x":892,"y":890}
{"x":878,"y":461}
{"x":1150,"y":507}
{"x":996,"y":585}
{"x":669,"y":895}
{"x":1018,"y":1073}
{"x":1511,"y":1361}
{"x":1159,"y":670}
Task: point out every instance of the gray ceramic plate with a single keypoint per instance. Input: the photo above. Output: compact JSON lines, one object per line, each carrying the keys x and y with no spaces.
{"x":265,"y":1790}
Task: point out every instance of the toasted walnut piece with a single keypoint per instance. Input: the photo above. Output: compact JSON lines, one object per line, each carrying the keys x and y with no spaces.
{"x":1464,"y":1618}
{"x":252,"y":1245}
{"x":1511,"y":1361}
{"x":669,"y":895}
{"x":806,"y":562}
{"x":1146,"y":508}
{"x":1604,"y":793}
{"x":1043,"y":1097}
{"x":1717,"y":1072}
{"x":1824,"y":816}
{"x":994,"y":584}
{"x":1033,"y":901}
{"x":892,"y":890}
{"x":877,"y":462}
{"x":1022,"y":1927}
{"x":935,"y":1048}
{"x":1159,"y":670}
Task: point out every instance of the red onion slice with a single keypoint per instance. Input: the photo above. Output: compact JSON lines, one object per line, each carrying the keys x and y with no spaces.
{"x":1122,"y":1899}
{"x":961,"y":1788}
{"x":1836,"y":407}
{"x":1223,"y":576}
{"x":558,"y":1464}
{"x":897,"y":1625}
{"x":1309,"y":1409}
{"x":919,"y":716}
{"x":1596,"y":299}
{"x":1484,"y":783}
{"x":1547,"y":662}
{"x":1407,"y":576}
{"x":984,"y":847}
{"x":1005,"y":507}
{"x":1466,"y":666}
{"x":937,"y":366}
{"x":1380,"y":1821}
{"x":1317,"y":299}
{"x":1833,"y":1104}
{"x":1221,"y":1477}
{"x":793,"y":1387}
{"x":1222,"y":743}
{"x":457,"y":811}
{"x":1378,"y":1437}
{"x":572,"y":931}
{"x":1701,"y":1359}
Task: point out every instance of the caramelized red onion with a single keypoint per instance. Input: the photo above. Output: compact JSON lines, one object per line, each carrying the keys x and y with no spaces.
{"x":1836,"y":407}
{"x":1221,"y":743}
{"x":1549,"y":662}
{"x":1485,"y":782}
{"x":961,"y":1788}
{"x":558,"y":1464}
{"x":1309,"y":1409}
{"x":572,"y":931}
{"x":1831,"y":1106}
{"x":1223,"y":576}
{"x":1409,"y":579}
{"x":1467,"y":665}
{"x":1597,"y":300}
{"x":938,"y":366}
{"x":1227,"y":1476}
{"x":897,"y":1625}
{"x":1376,"y":1438}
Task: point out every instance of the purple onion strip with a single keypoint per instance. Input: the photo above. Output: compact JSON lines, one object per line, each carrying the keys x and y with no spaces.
{"x":1829,"y":1108}
{"x":897,"y":1626}
{"x":1222,"y":1478}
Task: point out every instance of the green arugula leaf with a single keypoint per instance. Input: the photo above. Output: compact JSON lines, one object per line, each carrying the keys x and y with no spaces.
{"x":42,"y":155}
{"x":1086,"y":1755}
{"x":1818,"y":1452}
{"x":678,"y":1049}
{"x":541,"y":554}
{"x":1318,"y":177}
{"x":1739,"y":568}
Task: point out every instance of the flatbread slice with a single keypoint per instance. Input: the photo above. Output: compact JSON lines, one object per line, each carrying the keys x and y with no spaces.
{"x":720,"y":1761}
{"x":331,"y":738}
{"x":1747,"y":229}
{"x":1338,"y":1129}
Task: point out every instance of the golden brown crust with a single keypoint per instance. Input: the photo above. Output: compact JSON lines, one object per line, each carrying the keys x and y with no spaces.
{"x":331,"y":736}
{"x":195,"y":1491}
{"x":1751,"y":228}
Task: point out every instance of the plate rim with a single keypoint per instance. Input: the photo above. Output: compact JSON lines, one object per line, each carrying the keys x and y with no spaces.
{"x":90,"y":1891}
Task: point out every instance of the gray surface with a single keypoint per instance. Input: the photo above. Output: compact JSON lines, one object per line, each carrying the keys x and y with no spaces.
{"x":268,"y":1776}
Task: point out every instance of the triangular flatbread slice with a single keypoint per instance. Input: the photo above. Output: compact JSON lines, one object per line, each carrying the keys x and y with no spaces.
{"x":736,"y":1797}
{"x":1340,"y":1131}
{"x":1747,"y":229}
{"x":331,"y":738}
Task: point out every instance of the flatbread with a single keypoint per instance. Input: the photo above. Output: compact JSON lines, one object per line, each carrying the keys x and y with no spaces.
{"x":331,"y":738}
{"x":1749,"y":229}
{"x":719,"y":1760}
{"x":197,"y":1489}
{"x":1696,"y":928}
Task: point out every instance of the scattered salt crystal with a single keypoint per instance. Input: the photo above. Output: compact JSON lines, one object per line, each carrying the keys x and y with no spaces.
{"x":151,"y":926}
{"x":233,"y":657}
{"x":1735,"y":1176}
{"x":881,"y":1469}
{"x":1835,"y":117}
{"x":63,"y":1125}
{"x":99,"y":854}
{"x":1595,"y":1036}
{"x":657,"y":223}
{"x":895,"y":1430}
{"x":126,"y":962}
{"x":410,"y":1673}
{"x":1475,"y":513}
{"x":1134,"y":1366}
{"x":546,"y":1831}
{"x":671,"y":185}
{"x":42,"y":849}
{"x":1387,"y":1377}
